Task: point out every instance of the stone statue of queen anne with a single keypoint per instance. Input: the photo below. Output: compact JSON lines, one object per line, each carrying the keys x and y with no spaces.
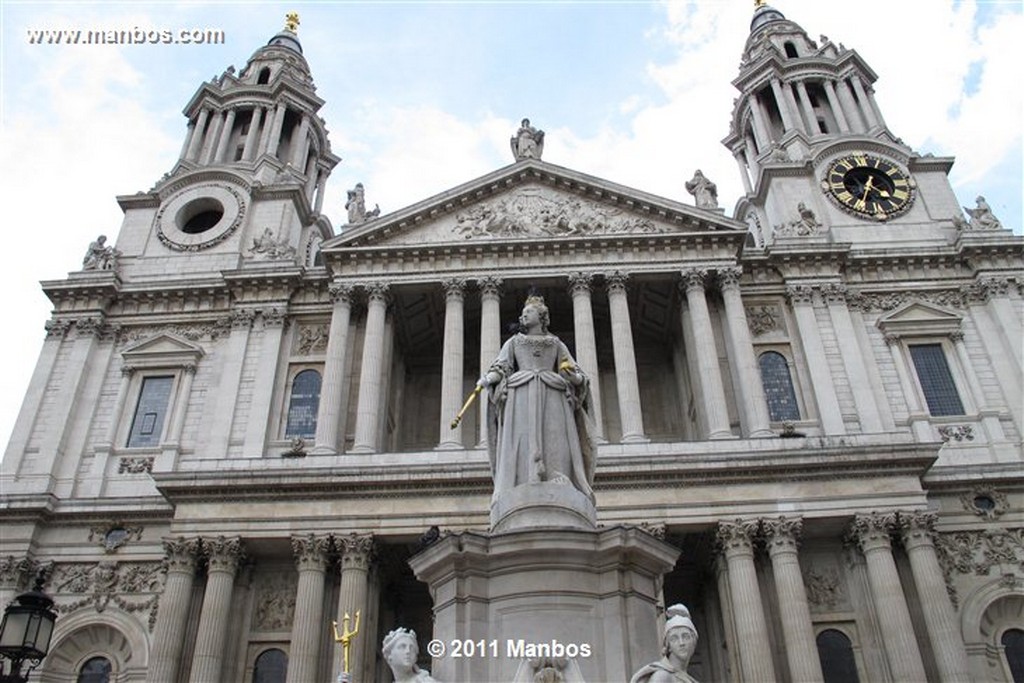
{"x":539,"y":428}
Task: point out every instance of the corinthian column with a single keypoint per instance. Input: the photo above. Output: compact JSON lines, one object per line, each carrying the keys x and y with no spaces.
{"x":180,"y":555}
{"x":626,"y":381}
{"x":871,"y":532}
{"x":222,"y":563}
{"x":917,"y":529}
{"x":372,"y":372}
{"x":14,"y":571}
{"x":736,"y":542}
{"x":451,"y":363}
{"x":490,"y":335}
{"x":586,"y":341}
{"x":751,"y":390}
{"x":706,"y":351}
{"x":328,"y":414}
{"x":356,"y":552}
{"x":781,"y":537}
{"x":308,"y":624}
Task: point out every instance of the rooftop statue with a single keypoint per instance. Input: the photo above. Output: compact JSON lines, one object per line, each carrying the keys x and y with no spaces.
{"x":356,"y":206}
{"x":539,"y":429}
{"x":99,"y":256}
{"x":982,"y":217}
{"x":677,"y":648}
{"x":400,"y":652}
{"x":704,"y":192}
{"x":528,"y":142}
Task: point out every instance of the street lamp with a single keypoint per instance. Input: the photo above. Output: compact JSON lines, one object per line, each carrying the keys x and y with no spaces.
{"x":25,"y":632}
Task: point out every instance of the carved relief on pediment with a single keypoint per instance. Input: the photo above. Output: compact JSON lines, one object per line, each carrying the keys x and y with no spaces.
{"x":531,"y":212}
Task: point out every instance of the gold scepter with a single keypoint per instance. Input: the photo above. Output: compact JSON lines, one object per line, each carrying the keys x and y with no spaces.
{"x":465,"y":406}
{"x":345,"y":638}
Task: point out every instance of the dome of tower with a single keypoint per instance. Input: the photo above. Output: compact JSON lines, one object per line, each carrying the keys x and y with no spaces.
{"x":763,"y":15}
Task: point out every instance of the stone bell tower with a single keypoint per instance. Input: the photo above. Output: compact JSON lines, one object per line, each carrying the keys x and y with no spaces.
{"x":816,"y":157}
{"x":249,"y":183}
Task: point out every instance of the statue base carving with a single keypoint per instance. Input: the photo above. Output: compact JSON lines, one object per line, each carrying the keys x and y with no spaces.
{"x":533,"y":591}
{"x":545,"y":504}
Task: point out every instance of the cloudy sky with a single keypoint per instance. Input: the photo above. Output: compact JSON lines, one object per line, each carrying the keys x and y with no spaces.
{"x":424,"y":95}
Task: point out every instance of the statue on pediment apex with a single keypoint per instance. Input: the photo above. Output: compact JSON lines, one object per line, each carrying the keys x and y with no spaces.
{"x":705,"y":192}
{"x":528,"y":142}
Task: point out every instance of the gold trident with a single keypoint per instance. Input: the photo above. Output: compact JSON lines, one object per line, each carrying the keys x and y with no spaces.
{"x":345,"y":638}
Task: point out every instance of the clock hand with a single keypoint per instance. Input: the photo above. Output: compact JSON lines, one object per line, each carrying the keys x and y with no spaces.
{"x":867,"y":188}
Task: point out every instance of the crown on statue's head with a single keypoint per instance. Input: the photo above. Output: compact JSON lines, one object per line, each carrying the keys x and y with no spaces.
{"x":534,"y":300}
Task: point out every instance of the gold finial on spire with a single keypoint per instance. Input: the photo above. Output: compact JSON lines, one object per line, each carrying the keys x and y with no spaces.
{"x":291,"y":22}
{"x":759,"y":3}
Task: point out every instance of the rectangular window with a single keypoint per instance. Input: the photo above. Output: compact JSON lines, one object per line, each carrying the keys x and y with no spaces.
{"x":936,"y":379}
{"x":150,"y":412}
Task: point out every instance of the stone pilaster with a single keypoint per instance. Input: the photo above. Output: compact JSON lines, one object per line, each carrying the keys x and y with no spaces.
{"x":356,"y":551}
{"x":712,"y":391}
{"x":871,"y":533}
{"x":802,"y":299}
{"x":586,"y":340}
{"x":275,"y":131}
{"x":274,"y":320}
{"x":626,"y":380}
{"x":225,"y":136}
{"x":223,"y":556}
{"x":750,"y":390}
{"x":180,"y":558}
{"x":917,"y":531}
{"x":230,"y":379}
{"x":853,"y":358}
{"x":490,"y":336}
{"x":307,"y":626}
{"x":782,"y":540}
{"x":833,"y":103}
{"x":372,"y":372}
{"x":755,"y":654}
{"x":451,"y":363}
{"x":249,"y":150}
{"x":198,"y":135}
{"x":328,"y":415}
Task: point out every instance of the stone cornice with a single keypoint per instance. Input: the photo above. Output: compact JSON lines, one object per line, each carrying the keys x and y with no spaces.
{"x":816,"y":461}
{"x":641,"y":253}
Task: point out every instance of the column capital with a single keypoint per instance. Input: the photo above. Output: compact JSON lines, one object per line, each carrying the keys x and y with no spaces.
{"x":737,"y":536}
{"x":615,"y":281}
{"x":241,"y":318}
{"x":782,"y":534}
{"x":223,"y":554}
{"x":580,"y":283}
{"x":871,"y":531}
{"x":341,"y":292}
{"x":14,"y":570}
{"x":490,"y":286}
{"x":956,"y":336}
{"x":917,"y":528}
{"x":454,"y":288}
{"x":57,"y":328}
{"x":377,"y":291}
{"x":274,"y":316}
{"x":891,"y":339}
{"x":729,"y":278}
{"x":356,"y":550}
{"x":995,"y":286}
{"x":800,"y":294}
{"x":311,"y":552}
{"x":693,"y":279}
{"x":834,"y":292}
{"x":181,"y":554}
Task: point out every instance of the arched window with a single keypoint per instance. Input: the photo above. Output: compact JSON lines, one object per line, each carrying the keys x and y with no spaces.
{"x":1013,"y":650}
{"x":836,"y":654}
{"x":790,"y":49}
{"x":271,"y":667}
{"x":95,"y":670}
{"x":264,"y":76}
{"x":303,"y":405}
{"x":778,"y":387}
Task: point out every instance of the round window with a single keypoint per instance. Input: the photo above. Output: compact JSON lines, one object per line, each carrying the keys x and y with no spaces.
{"x":199,"y":216}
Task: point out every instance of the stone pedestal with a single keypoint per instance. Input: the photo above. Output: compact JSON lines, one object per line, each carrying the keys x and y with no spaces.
{"x":589,"y":594}
{"x":544,"y":504}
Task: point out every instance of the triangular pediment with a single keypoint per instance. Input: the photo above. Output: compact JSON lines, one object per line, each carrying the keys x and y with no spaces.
{"x":533,"y":200}
{"x":920,"y":318}
{"x":162,"y":350}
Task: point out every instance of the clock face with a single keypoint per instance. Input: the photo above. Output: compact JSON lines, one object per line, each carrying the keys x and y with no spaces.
{"x":868,"y":186}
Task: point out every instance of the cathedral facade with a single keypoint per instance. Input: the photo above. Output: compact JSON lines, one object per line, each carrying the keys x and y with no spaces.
{"x":240,"y":426}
